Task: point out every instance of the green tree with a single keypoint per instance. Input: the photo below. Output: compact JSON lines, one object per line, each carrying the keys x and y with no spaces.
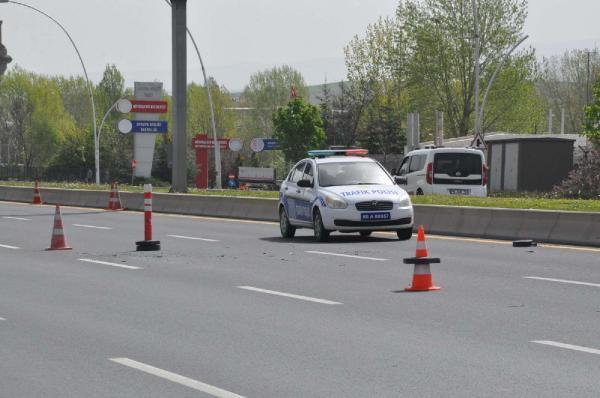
{"x":299,"y":128}
{"x":592,"y":117}
{"x":198,"y":120}
{"x":35,"y":115}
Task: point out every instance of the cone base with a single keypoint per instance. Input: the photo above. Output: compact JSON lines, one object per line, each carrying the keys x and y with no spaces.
{"x":109,"y":209}
{"x":421,"y":289}
{"x":37,"y":203}
{"x":60,"y":248}
{"x":147,"y":245}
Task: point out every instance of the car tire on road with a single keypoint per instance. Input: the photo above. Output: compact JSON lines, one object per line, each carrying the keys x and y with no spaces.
{"x":404,"y":234}
{"x":287,"y":230}
{"x":321,"y":234}
{"x":365,"y":234}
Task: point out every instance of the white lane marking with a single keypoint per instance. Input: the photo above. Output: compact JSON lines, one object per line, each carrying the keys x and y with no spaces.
{"x":87,"y":260}
{"x":294,"y":296}
{"x":563,"y":281}
{"x":10,"y":247}
{"x":567,"y":346}
{"x":347,"y":255}
{"x":175,"y":378}
{"x":17,"y":218}
{"x":90,"y":226}
{"x":2,"y":319}
{"x":193,"y":238}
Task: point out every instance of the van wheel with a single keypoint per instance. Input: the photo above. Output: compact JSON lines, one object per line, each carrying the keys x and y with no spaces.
{"x":404,"y":234}
{"x":321,"y":234}
{"x":419,"y":191}
{"x":287,"y":230}
{"x":365,"y":234}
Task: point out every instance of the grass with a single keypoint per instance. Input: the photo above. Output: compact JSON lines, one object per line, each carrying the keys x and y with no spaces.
{"x":510,"y":202}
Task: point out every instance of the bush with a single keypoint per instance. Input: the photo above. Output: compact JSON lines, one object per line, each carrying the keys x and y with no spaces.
{"x":584,"y":181}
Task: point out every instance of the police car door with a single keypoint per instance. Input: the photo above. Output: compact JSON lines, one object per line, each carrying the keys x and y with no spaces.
{"x":292,"y":194}
{"x":309,"y":194}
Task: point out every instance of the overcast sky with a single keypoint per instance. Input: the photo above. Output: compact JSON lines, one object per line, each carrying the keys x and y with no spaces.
{"x":236,"y":37}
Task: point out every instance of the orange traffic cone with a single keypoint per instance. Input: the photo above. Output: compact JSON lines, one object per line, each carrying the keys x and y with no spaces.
{"x":58,"y":241}
{"x":422,"y":280}
{"x":114,"y":200}
{"x":421,"y":246}
{"x":37,"y":198}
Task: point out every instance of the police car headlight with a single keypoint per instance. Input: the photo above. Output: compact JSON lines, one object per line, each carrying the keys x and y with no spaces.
{"x":335,"y":202}
{"x":405,"y":202}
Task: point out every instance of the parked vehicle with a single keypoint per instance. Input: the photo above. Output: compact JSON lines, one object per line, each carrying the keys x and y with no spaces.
{"x":337,"y":190}
{"x":448,"y":171}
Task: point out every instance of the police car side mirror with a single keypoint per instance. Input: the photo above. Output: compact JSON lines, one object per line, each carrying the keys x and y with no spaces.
{"x":400,"y":180}
{"x":305,"y":184}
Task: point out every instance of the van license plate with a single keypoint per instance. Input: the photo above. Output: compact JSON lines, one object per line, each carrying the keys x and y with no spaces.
{"x":459,"y":191}
{"x":374,"y":216}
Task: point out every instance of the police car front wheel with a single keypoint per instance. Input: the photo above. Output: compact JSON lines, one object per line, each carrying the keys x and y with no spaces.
{"x":404,"y":234}
{"x":287,"y":230}
{"x":321,"y":234}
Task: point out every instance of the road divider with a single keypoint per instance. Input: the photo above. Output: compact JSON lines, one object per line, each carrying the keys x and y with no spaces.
{"x":176,"y":378}
{"x":88,"y":260}
{"x":563,"y":281}
{"x":561,"y":227}
{"x":193,"y":238}
{"x":346,"y":255}
{"x":567,"y":346}
{"x":289,"y":295}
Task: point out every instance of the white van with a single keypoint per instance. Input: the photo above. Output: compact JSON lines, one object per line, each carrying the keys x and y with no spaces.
{"x":443,"y":171}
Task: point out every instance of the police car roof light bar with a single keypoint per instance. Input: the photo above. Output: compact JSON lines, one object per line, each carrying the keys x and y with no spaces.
{"x":322,"y":153}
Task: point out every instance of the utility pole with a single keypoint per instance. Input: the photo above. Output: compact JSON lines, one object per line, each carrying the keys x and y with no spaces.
{"x":179,"y":62}
{"x":476,"y":60}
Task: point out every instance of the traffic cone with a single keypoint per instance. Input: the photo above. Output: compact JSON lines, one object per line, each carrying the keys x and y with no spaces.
{"x":37,"y":198}
{"x":114,"y":200}
{"x":58,"y":241}
{"x":421,"y":246}
{"x":422,"y":280}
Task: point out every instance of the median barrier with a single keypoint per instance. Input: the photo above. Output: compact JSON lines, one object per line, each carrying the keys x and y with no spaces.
{"x":577,"y":228}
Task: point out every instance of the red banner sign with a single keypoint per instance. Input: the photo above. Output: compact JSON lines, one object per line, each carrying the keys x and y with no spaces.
{"x":138,"y":106}
{"x":208,"y":143}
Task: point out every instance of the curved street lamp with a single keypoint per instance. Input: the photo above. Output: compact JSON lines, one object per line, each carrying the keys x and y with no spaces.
{"x":96,"y":138}
{"x":212,"y":111}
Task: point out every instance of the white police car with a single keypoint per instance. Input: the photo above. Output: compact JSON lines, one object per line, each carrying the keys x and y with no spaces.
{"x":344,"y":191}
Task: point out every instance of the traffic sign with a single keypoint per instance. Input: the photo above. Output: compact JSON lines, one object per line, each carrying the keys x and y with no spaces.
{"x":208,"y":143}
{"x":124,"y":105}
{"x":478,"y":142}
{"x":236,"y":144}
{"x":139,"y":106}
{"x":264,"y":144}
{"x":143,"y":126}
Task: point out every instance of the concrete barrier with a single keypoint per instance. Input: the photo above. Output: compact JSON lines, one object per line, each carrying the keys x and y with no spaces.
{"x":561,"y":227}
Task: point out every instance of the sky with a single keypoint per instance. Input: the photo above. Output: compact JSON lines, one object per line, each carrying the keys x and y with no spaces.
{"x":236,"y":37}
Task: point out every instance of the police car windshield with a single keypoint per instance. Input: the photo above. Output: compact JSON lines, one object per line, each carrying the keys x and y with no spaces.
{"x":346,"y":173}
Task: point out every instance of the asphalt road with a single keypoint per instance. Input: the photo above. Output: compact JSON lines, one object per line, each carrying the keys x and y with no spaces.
{"x":229,"y":309}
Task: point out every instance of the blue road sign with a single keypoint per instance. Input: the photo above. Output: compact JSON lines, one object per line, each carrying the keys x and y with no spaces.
{"x":271,"y":144}
{"x":149,"y":126}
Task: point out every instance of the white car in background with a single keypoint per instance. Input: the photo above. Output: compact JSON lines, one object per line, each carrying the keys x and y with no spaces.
{"x":340,"y":190}
{"x":443,"y":171}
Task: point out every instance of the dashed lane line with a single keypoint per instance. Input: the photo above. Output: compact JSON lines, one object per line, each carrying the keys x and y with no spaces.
{"x":87,"y":260}
{"x":176,"y":378}
{"x":346,"y":255}
{"x":90,"y":226}
{"x":563,"y":281}
{"x":567,"y":346}
{"x":289,"y":295}
{"x":193,"y":238}
{"x":16,"y":218}
{"x":10,"y":247}
{"x":2,"y":319}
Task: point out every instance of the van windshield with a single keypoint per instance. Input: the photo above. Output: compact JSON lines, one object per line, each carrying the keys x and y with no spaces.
{"x":457,"y":164}
{"x":346,"y":173}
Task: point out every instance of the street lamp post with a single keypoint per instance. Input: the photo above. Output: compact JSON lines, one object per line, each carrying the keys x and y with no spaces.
{"x":212,"y":110}
{"x":96,"y":139}
{"x":476,"y":38}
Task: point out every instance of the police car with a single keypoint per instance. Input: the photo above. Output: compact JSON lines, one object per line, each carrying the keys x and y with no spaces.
{"x":341,"y":190}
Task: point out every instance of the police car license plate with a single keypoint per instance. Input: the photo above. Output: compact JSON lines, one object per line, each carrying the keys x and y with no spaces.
{"x":374,"y":216}
{"x":459,"y":191}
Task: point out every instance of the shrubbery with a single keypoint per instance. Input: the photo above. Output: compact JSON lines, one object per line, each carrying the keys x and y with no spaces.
{"x":584,"y":181}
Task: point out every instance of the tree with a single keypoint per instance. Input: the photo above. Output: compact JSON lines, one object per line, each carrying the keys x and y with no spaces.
{"x":563,"y":83}
{"x":198,"y":120}
{"x":299,"y":128}
{"x":268,"y":91}
{"x":592,"y":117}
{"x":35,"y":117}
